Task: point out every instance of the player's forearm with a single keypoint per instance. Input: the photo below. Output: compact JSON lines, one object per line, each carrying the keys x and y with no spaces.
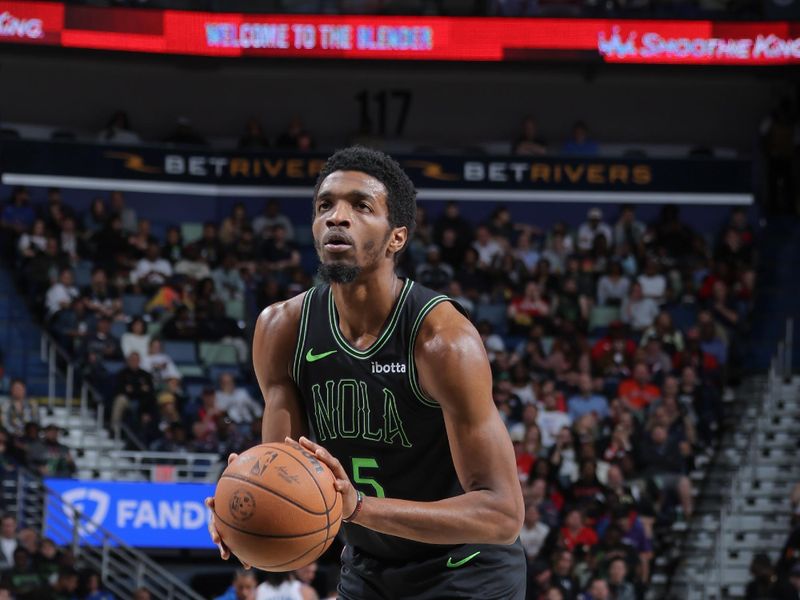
{"x":477,"y":517}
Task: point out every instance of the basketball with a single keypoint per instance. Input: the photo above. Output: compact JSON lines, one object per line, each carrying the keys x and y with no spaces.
{"x":276,"y":507}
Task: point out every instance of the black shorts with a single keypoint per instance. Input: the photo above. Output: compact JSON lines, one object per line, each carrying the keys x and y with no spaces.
{"x":474,"y":571}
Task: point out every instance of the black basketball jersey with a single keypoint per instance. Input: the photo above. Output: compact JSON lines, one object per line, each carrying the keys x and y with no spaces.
{"x":368,"y":409}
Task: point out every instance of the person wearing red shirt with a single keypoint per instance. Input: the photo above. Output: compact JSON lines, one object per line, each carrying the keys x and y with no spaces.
{"x":613,"y":353}
{"x":637,"y":392}
{"x":574,"y":534}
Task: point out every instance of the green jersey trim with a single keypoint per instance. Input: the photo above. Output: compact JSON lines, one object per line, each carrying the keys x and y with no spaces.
{"x":412,"y":369}
{"x":376,"y":346}
{"x":301,"y":336}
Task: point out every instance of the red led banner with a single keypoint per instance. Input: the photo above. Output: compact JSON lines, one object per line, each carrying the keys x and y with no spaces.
{"x":399,"y":38}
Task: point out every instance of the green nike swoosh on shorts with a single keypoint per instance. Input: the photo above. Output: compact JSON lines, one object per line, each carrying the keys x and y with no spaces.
{"x":462,"y":562}
{"x":311,"y":357}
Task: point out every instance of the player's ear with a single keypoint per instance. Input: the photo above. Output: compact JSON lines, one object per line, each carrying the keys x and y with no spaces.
{"x":397,"y":239}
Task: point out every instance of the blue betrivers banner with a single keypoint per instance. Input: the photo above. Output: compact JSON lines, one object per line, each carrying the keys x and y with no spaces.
{"x":151,"y":515}
{"x":548,"y":178}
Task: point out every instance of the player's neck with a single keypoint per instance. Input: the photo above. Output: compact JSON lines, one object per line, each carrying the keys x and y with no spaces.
{"x":364,"y":305}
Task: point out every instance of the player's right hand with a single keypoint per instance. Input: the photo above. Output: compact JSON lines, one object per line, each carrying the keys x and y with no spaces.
{"x":224,"y":551}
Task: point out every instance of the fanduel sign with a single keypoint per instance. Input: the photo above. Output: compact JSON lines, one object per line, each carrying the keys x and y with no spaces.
{"x":153,"y":515}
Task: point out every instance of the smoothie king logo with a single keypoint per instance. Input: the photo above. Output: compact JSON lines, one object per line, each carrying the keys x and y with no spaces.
{"x":11,"y":26}
{"x":650,"y":45}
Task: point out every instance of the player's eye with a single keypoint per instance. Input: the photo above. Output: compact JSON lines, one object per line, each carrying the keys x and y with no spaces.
{"x":323,"y":205}
{"x":364,"y":206}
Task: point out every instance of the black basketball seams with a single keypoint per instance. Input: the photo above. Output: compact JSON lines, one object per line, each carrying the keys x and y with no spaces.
{"x":274,"y":493}
{"x":314,"y":479}
{"x":267,"y":535}
{"x":314,"y":547}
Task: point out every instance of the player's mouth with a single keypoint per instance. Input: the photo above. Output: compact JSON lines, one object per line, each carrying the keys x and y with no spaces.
{"x":336,"y":242}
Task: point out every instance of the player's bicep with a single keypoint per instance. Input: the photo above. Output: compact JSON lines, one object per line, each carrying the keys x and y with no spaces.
{"x":454,"y":371}
{"x":273,"y":342}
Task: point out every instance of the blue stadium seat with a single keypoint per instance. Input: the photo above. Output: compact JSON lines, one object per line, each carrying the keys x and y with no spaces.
{"x":214,"y":371}
{"x":113,"y":366}
{"x":181,"y":352}
{"x":683,"y":315}
{"x":495,"y":314}
{"x":133,"y":304}
{"x":118,"y":328}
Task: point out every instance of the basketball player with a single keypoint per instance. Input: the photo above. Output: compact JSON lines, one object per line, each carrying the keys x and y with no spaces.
{"x":393,"y":383}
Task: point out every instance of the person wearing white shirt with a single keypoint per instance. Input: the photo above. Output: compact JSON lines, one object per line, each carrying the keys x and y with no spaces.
{"x":8,"y":539}
{"x":263,"y":224}
{"x":654,"y":284}
{"x":239,"y":405}
{"x":61,"y":294}
{"x":486,"y":246}
{"x":152,"y":270}
{"x":35,"y":242}
{"x":283,"y":586}
{"x":591,"y":229}
{"x":533,"y":533}
{"x":158,"y":364}
{"x":613,"y":287}
{"x":551,"y":420}
{"x":228,"y":280}
{"x":136,"y":338}
{"x":638,"y":311}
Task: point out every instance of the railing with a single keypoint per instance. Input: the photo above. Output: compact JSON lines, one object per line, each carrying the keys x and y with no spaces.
{"x":161,"y":466}
{"x":21,"y":495}
{"x":779,"y":374}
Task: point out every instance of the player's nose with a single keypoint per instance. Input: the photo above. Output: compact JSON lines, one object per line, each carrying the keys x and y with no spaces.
{"x":339,"y":216}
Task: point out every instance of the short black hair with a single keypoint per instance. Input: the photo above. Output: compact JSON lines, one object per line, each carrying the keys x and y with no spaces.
{"x":401,"y":197}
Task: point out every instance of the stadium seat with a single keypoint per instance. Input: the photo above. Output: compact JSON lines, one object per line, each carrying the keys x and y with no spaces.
{"x":133,"y":304}
{"x":235,"y":309}
{"x":83,"y":274}
{"x":181,"y":352}
{"x":188,"y":370}
{"x":214,"y":371}
{"x":113,"y":366}
{"x":602,"y":316}
{"x":218,"y":354}
{"x":191,"y":232}
{"x":118,"y":328}
{"x":494,"y":313}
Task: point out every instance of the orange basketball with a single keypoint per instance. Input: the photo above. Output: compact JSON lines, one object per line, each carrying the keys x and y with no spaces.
{"x":276,"y":507}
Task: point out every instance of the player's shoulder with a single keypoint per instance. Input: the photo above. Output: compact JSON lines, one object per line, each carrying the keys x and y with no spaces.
{"x":283,"y":316}
{"x":447,"y":332}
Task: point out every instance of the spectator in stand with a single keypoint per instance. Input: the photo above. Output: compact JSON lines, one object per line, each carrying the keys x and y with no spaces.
{"x":524,"y":310}
{"x":236,"y":401}
{"x":620,"y":587}
{"x":34,"y":242}
{"x":141,"y":594}
{"x":8,"y":464}
{"x":292,"y":138}
{"x":118,"y":130}
{"x":264,"y":223}
{"x":534,"y":532}
{"x":96,"y":217}
{"x":654,"y":283}
{"x":209,"y":248}
{"x":102,"y":342}
{"x":451,"y":219}
{"x":591,"y":229}
{"x":92,"y":589}
{"x":638,"y":311}
{"x":192,"y":264}
{"x":18,"y":409}
{"x":613,"y":287}
{"x":561,"y":578}
{"x":637,"y":393}
{"x":184,"y":134}
{"x":66,"y":584}
{"x":580,"y":144}
{"x":665,"y":332}
{"x":551,"y":420}
{"x":280,"y":255}
{"x":136,"y":339}
{"x":49,"y":457}
{"x":528,"y":143}
{"x":434,"y":273}
{"x":253,"y":137}
{"x":126,"y":214}
{"x":486,"y":246}
{"x":172,"y":249}
{"x":18,"y":215}
{"x":111,"y":251}
{"x":151,"y":271}
{"x":134,"y":386}
{"x":22,"y":578}
{"x":228,"y":280}
{"x":628,"y":230}
{"x":102,"y":299}
{"x":575,"y":536}
{"x":597,"y":590}
{"x":141,"y":238}
{"x":663,"y":462}
{"x":8,"y":540}
{"x":159,"y":364}
{"x":613,"y":353}
{"x":181,"y":326}
{"x":712,"y":337}
{"x":586,"y":401}
{"x":231,"y":228}
{"x":243,"y":587}
{"x":61,"y":294}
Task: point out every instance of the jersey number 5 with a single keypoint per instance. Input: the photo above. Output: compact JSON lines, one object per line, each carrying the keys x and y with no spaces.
{"x":359,"y":466}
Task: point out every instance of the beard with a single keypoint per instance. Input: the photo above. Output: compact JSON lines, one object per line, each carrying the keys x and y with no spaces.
{"x":338,"y":272}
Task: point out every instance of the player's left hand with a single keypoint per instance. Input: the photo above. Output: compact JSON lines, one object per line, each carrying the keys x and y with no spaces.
{"x":343,"y":485}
